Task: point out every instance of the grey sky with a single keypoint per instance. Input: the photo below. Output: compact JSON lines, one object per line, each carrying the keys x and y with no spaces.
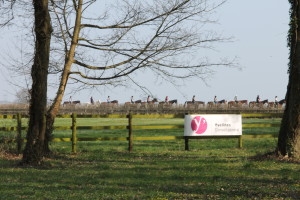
{"x":259,"y":28}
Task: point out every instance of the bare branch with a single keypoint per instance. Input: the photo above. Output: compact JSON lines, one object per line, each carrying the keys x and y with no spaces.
{"x":6,"y":12}
{"x":123,"y":23}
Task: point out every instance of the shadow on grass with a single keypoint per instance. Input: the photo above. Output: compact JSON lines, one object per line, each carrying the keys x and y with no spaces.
{"x":99,"y":172}
{"x":122,"y":175}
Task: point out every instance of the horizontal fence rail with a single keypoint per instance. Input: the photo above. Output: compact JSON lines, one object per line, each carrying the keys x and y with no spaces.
{"x":74,"y":127}
{"x":138,"y":127}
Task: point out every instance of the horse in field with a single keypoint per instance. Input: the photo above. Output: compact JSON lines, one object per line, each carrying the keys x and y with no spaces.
{"x":165,"y":102}
{"x":76,"y":102}
{"x":188,"y":103}
{"x":144,"y":102}
{"x":283,"y":101}
{"x":65,"y":103}
{"x":212,"y":104}
{"x":153,"y":101}
{"x":222,"y":101}
{"x":195,"y":103}
{"x":237,"y":103}
{"x":260,"y":104}
{"x":138,"y":101}
{"x":242,"y":102}
{"x":264,"y":101}
{"x":200,"y":103}
{"x":173,"y":102}
{"x":232,"y":104}
{"x":114,"y":102}
{"x":111,"y":103}
{"x":252,"y":104}
{"x":150,"y":103}
{"x":130,"y":104}
{"x":278,"y":104}
{"x":272,"y":104}
{"x":162,"y":102}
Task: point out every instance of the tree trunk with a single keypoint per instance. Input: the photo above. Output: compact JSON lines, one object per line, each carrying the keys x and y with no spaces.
{"x":33,"y":153}
{"x":289,"y":135}
{"x":54,"y":109}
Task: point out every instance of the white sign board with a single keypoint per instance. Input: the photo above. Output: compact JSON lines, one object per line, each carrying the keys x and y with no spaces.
{"x":211,"y":125}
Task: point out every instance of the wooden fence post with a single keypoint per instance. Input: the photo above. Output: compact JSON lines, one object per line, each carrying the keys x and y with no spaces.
{"x":74,"y":137}
{"x":19,"y":134}
{"x":186,"y":139}
{"x":240,"y":141}
{"x":130,"y":137}
{"x":186,"y":143}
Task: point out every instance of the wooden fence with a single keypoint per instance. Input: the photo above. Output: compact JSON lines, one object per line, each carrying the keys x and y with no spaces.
{"x":130,"y":127}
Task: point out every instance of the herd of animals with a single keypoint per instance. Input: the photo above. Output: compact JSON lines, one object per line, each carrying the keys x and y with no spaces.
{"x":211,"y":104}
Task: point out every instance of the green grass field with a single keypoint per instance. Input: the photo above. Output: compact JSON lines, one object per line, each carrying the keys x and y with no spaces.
{"x":212,"y":169}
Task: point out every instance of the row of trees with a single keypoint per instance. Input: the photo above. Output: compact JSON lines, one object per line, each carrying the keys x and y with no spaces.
{"x":107,"y":43}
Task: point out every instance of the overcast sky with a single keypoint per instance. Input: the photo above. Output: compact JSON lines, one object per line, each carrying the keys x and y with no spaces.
{"x":259,"y":28}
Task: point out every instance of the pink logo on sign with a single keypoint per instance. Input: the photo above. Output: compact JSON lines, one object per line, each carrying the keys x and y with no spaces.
{"x":199,"y":124}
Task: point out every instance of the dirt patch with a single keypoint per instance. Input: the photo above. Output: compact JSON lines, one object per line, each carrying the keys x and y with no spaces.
{"x":10,"y":156}
{"x":274,"y":156}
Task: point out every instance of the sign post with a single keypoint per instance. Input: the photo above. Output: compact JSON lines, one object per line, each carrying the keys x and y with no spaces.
{"x":212,"y":126}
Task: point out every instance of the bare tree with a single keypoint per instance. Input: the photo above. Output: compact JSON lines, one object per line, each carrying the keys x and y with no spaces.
{"x":128,"y":37}
{"x":144,"y":36}
{"x":23,"y":96}
{"x":289,"y":135}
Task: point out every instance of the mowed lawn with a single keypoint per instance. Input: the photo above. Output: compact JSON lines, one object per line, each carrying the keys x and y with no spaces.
{"x":212,"y":169}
